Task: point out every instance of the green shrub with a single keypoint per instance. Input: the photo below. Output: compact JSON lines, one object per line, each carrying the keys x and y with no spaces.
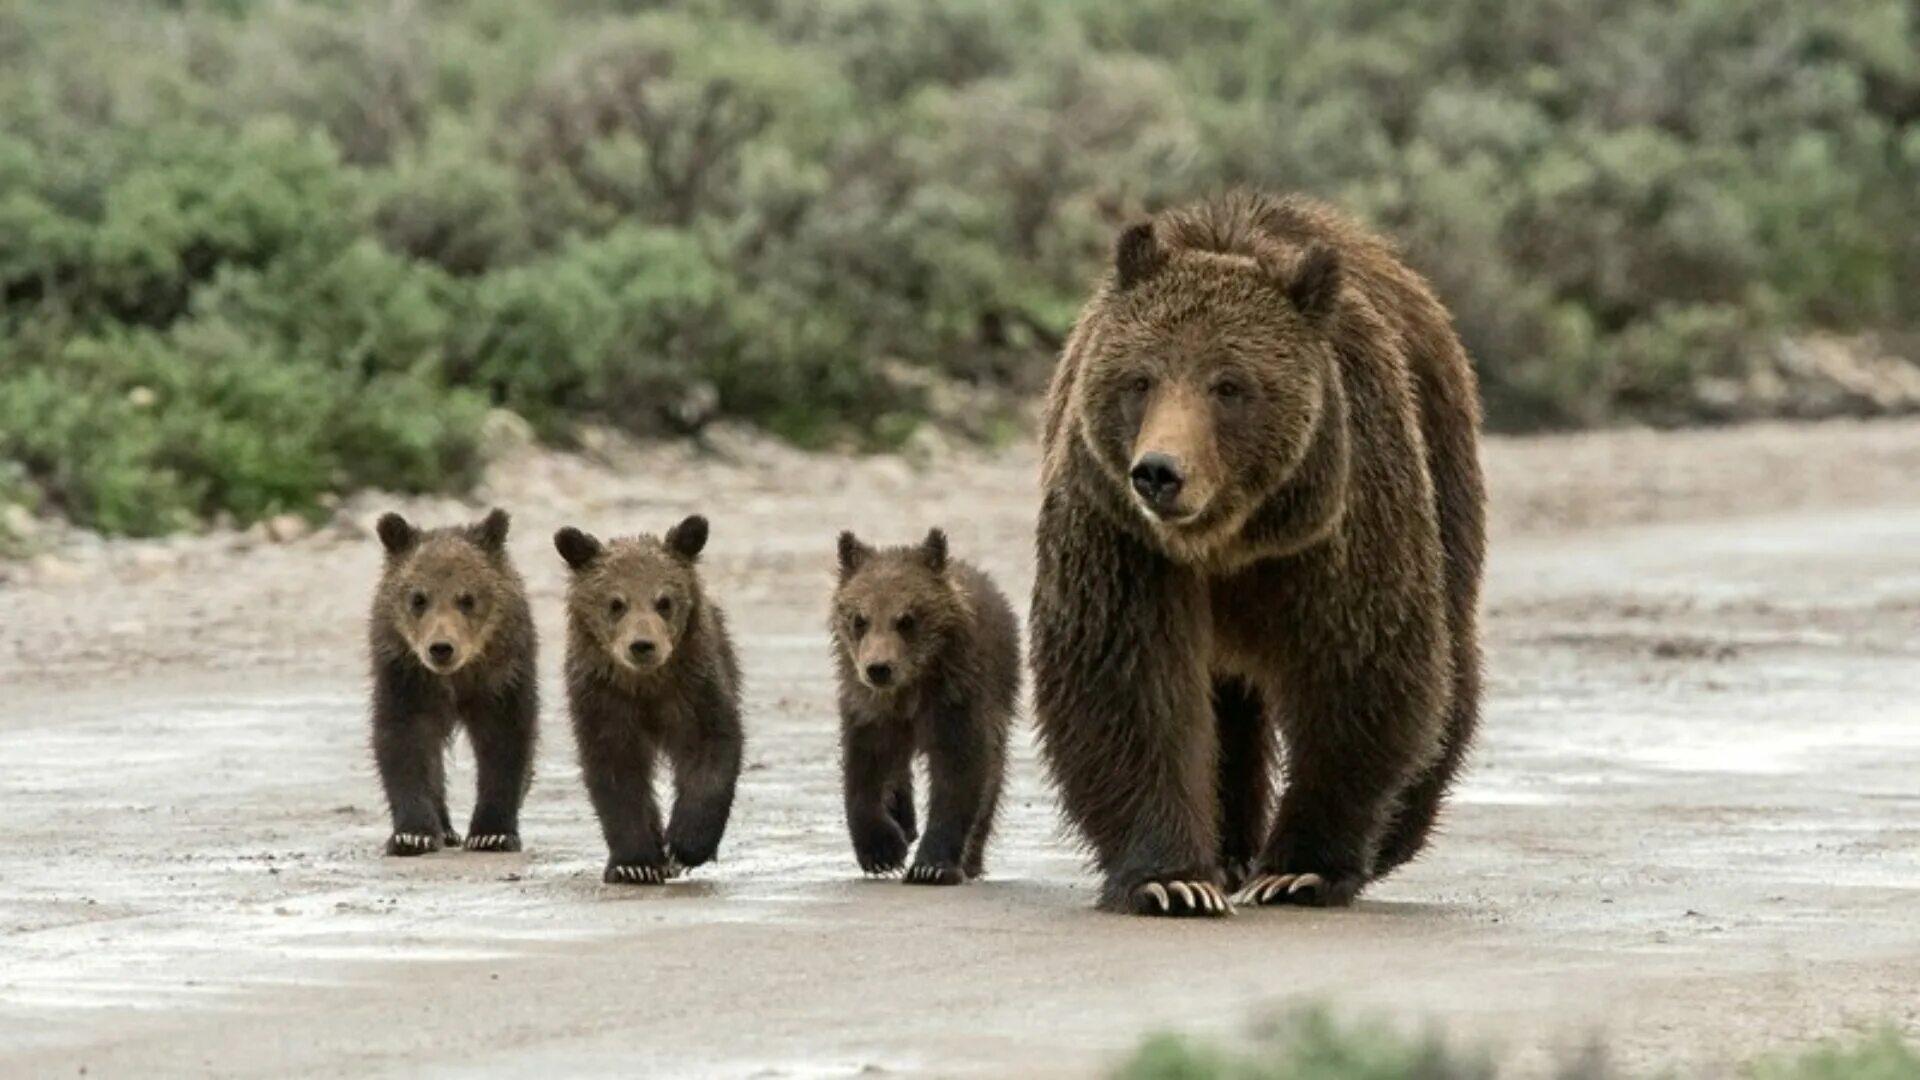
{"x":657,"y":214}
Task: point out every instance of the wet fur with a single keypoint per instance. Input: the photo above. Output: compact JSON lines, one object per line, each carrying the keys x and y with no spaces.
{"x":953,"y":702}
{"x":687,"y":709}
{"x":493,"y":694}
{"x":1327,"y":594}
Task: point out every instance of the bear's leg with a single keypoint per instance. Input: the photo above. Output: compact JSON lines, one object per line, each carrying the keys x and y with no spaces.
{"x":409,"y":747}
{"x":1420,"y":806}
{"x":706,"y":770}
{"x":900,"y":801}
{"x":1246,"y":787}
{"x":1120,"y":699}
{"x":1354,"y":741}
{"x":447,"y":835}
{"x":502,"y":733}
{"x":959,"y":776}
{"x":873,"y":755}
{"x":619,"y":776}
{"x":975,"y":862}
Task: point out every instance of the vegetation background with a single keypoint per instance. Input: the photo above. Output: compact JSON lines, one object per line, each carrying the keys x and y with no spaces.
{"x":254,"y":254}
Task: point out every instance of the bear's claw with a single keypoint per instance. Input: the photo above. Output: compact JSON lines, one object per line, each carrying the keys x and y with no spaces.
{"x":935,"y":874}
{"x":407,"y":844}
{"x":629,"y":874}
{"x":1180,"y":898}
{"x":1309,"y":889}
{"x":494,"y":842}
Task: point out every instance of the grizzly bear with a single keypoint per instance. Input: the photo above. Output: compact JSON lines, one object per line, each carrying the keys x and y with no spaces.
{"x":452,"y":642}
{"x":1262,"y":511}
{"x":650,"y":670}
{"x":928,"y":656}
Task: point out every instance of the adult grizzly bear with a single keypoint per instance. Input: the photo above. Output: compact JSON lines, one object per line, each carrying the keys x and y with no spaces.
{"x":1262,"y":510}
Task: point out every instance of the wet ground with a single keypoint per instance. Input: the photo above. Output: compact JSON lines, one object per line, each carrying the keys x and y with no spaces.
{"x":1692,"y":825}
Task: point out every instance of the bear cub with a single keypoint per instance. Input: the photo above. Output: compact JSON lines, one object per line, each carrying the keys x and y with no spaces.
{"x":650,"y":670}
{"x":928,"y":655}
{"x":452,"y":643}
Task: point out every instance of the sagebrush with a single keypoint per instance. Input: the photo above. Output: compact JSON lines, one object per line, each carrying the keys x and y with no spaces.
{"x":254,"y":252}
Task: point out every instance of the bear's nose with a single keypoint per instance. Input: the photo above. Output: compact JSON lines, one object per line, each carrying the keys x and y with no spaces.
{"x":641,"y":650}
{"x":1156,"y":476}
{"x":440,"y":652}
{"x":879,"y":674}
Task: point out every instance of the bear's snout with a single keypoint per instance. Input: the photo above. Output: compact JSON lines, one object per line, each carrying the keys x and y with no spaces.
{"x":880,"y":674}
{"x":1158,"y":480}
{"x":441,"y":653}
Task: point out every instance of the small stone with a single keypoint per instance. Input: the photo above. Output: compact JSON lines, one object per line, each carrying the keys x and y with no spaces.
{"x":286,"y":528}
{"x":54,"y":570}
{"x":18,"y":521}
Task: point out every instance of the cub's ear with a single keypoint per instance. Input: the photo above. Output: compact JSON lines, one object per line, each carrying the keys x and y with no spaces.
{"x":934,"y":550}
{"x":688,"y":538}
{"x":396,"y":535}
{"x":1136,"y":255}
{"x":578,"y":548}
{"x":853,"y":555}
{"x":490,"y":532}
{"x":1315,"y":284}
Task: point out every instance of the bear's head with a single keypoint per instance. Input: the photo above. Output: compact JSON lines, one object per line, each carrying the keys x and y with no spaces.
{"x":446,"y":592}
{"x":894,"y":611}
{"x":1206,"y":374}
{"x":632,"y":599}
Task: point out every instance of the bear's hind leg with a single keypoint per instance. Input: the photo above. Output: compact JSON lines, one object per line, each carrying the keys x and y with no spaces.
{"x":1246,"y":782}
{"x":900,"y":801}
{"x":1420,"y":807}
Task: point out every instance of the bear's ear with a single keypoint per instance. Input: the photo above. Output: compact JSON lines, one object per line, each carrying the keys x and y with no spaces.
{"x":1315,"y":283}
{"x":578,"y":548}
{"x":396,"y":535}
{"x":490,"y":532}
{"x":853,"y":555}
{"x":934,"y":550}
{"x":1136,"y":255}
{"x":688,"y":538}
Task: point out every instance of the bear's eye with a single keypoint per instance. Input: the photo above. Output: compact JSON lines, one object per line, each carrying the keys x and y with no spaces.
{"x":465,"y":603}
{"x":1139,"y":384}
{"x":859,"y":625}
{"x":1228,"y":389}
{"x":904,"y":623}
{"x":418,"y":602}
{"x":664,"y":605}
{"x":617,"y":606}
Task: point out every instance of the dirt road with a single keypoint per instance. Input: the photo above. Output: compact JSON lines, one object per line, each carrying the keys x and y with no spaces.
{"x":1693,"y":822}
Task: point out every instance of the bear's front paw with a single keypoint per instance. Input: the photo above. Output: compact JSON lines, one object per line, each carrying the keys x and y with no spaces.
{"x":408,"y":844}
{"x":930,"y":873}
{"x":635,"y":874}
{"x":493,"y":842}
{"x":450,"y":839}
{"x":1304,"y":889}
{"x":1178,"y":897}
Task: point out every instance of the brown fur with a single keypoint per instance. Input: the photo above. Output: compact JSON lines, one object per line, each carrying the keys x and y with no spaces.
{"x":452,"y":643}
{"x":928,"y":655}
{"x":650,"y":670}
{"x":1313,"y":567}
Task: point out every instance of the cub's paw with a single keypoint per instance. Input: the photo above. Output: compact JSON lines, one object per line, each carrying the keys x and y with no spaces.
{"x":922,"y":873}
{"x":450,"y":839}
{"x":882,"y":850}
{"x":635,"y":874}
{"x":1236,"y":872}
{"x":1305,"y":890}
{"x":1179,"y":898}
{"x":493,"y":842}
{"x":408,"y":844}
